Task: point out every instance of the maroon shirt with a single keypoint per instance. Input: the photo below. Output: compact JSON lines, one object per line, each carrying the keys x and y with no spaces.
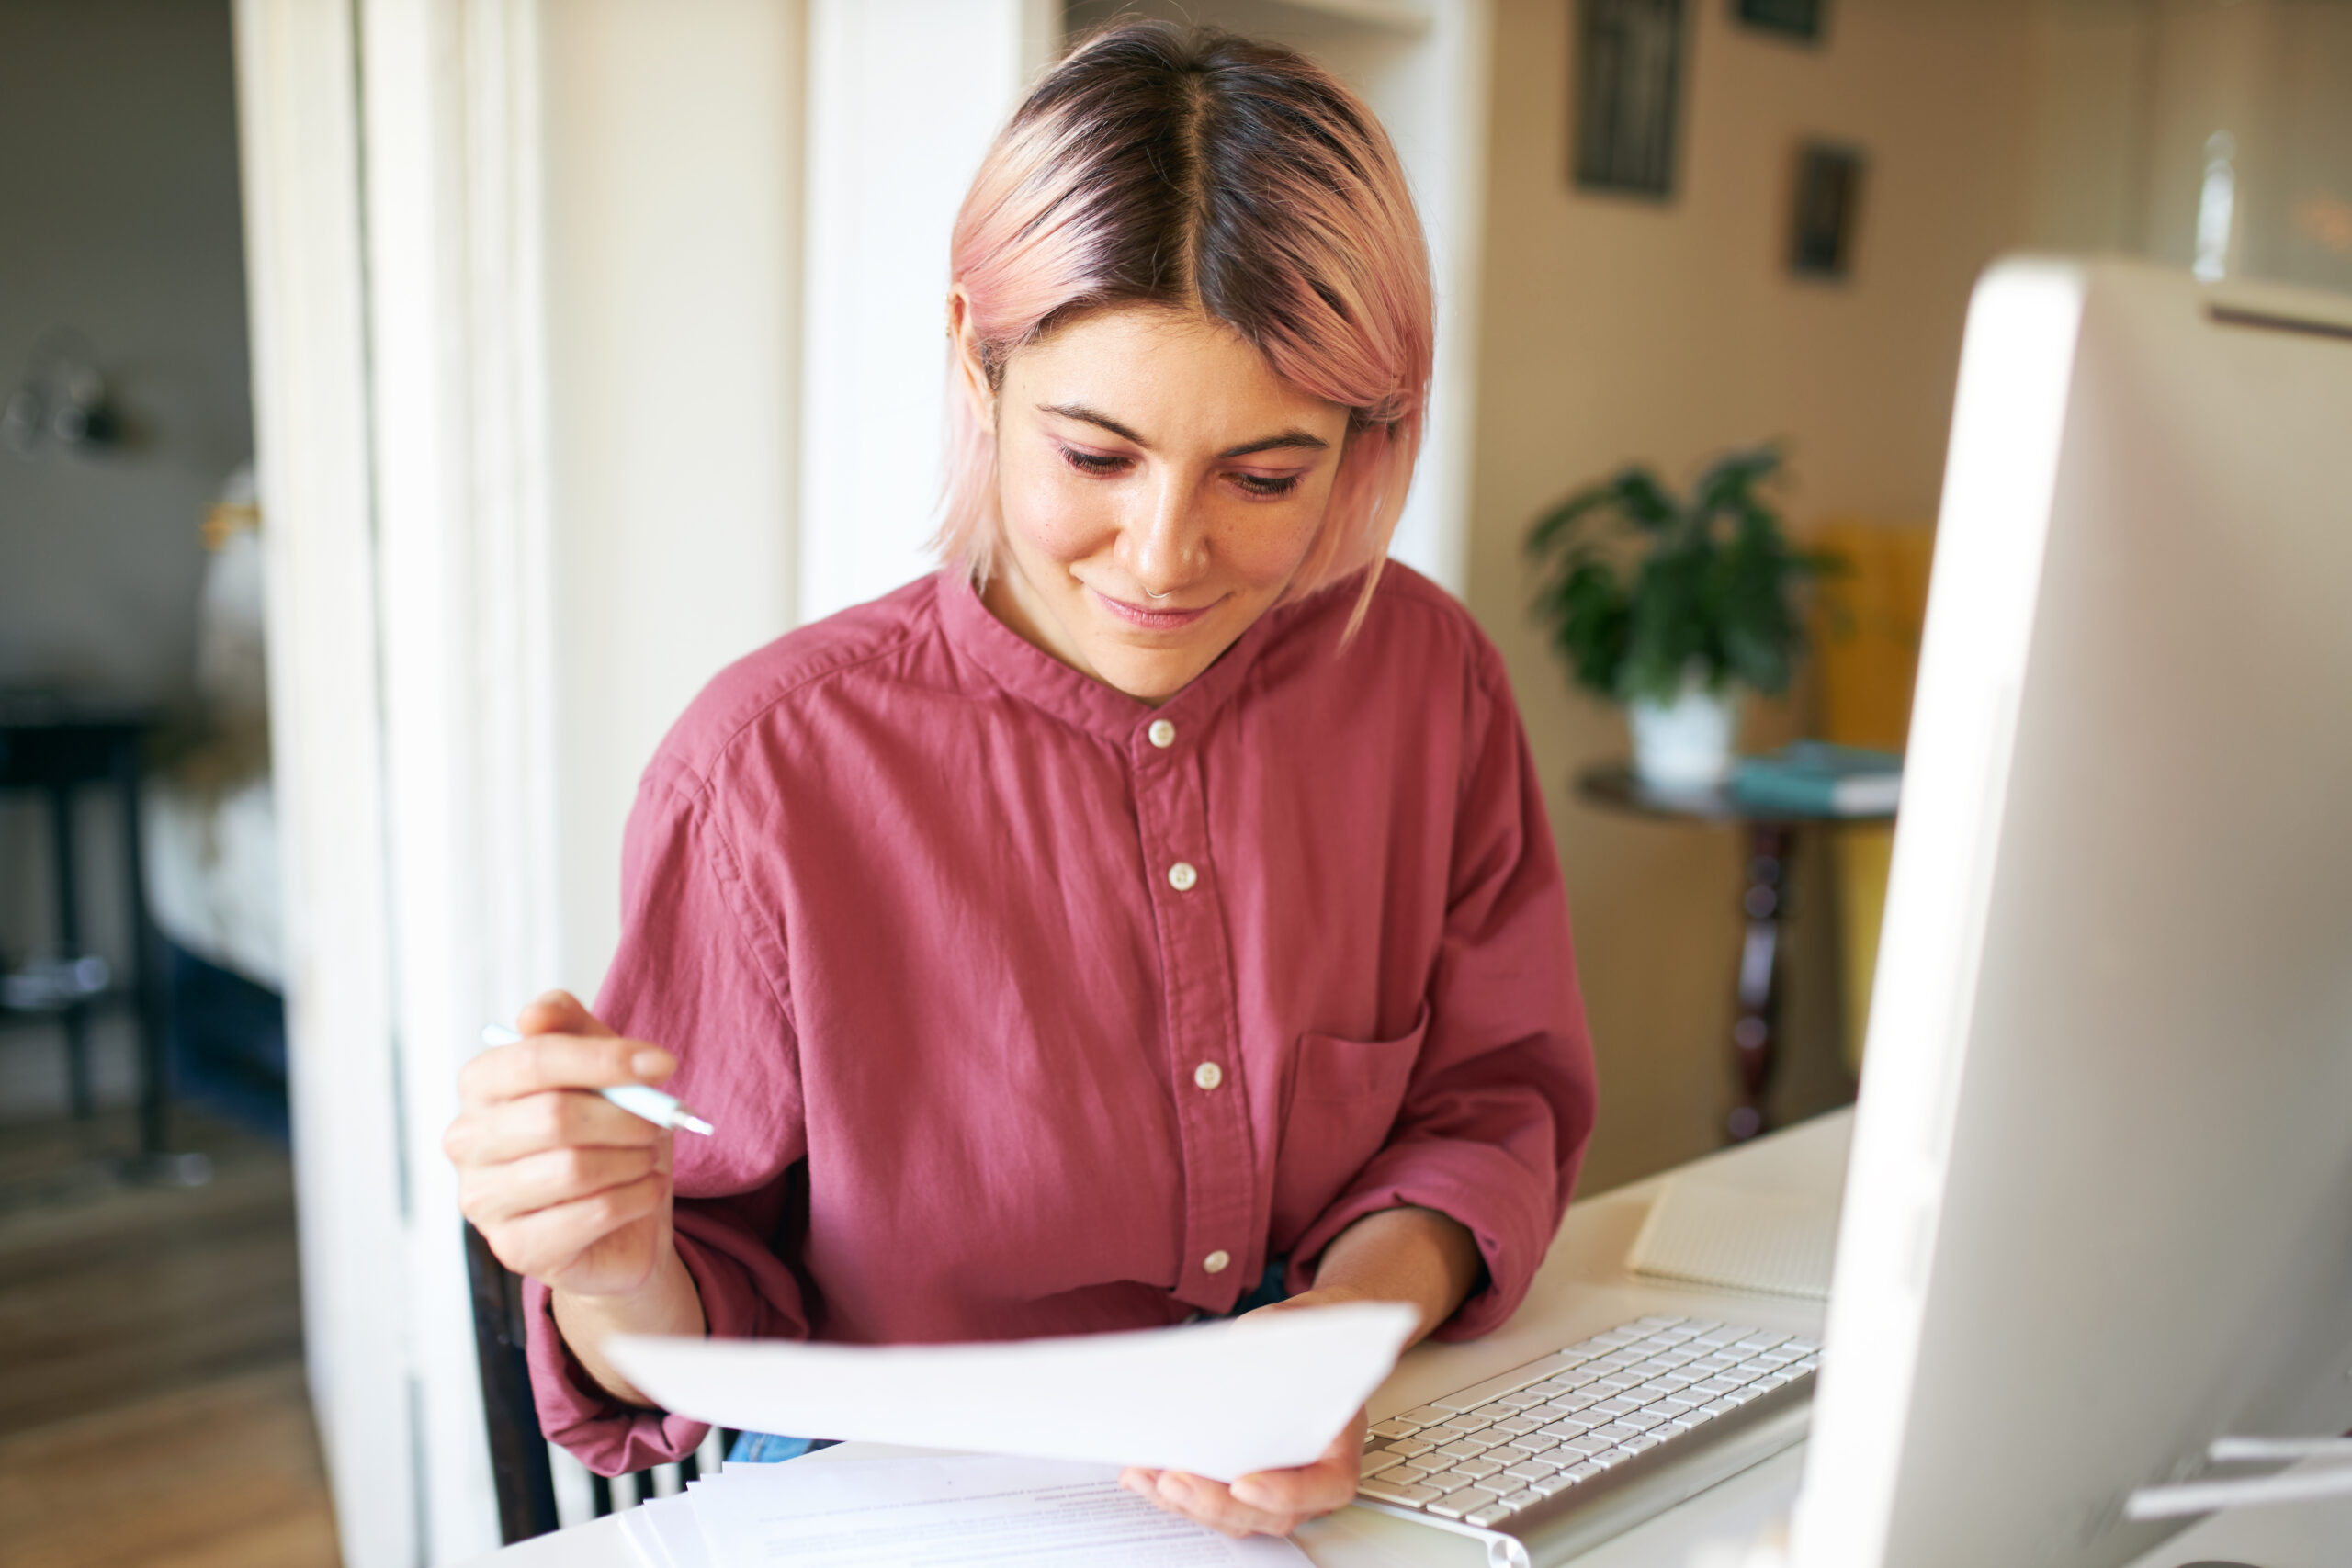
{"x":1024,"y":1008}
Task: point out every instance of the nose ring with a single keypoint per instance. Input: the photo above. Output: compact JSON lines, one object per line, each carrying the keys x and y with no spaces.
{"x":1148,"y":593}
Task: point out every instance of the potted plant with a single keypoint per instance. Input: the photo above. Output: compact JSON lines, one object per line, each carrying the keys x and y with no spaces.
{"x":1673,"y":608}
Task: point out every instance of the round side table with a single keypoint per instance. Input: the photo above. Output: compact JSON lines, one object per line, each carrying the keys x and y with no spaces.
{"x":1763,"y":903}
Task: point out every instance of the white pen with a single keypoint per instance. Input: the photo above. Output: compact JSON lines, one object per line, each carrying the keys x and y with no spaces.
{"x":637,"y":1099}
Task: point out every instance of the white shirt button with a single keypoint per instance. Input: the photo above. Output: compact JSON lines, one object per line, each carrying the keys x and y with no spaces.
{"x":1162,"y":733}
{"x":1215,"y":1261}
{"x":1181,"y":876}
{"x":1208,"y":1075}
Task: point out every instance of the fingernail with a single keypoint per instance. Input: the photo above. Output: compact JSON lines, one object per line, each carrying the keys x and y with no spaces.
{"x":1174,"y":1488}
{"x":655,"y":1064}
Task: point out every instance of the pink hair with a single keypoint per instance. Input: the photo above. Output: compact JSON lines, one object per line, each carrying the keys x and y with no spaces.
{"x":1187,"y":167}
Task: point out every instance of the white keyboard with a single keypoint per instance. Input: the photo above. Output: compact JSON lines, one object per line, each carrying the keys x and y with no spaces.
{"x":1557,"y":1436}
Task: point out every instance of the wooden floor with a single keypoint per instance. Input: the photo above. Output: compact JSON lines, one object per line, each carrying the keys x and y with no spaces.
{"x":152,"y":1411}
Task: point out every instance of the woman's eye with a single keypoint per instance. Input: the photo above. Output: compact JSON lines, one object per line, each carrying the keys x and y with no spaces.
{"x":1092,"y":462}
{"x":1269,"y":488}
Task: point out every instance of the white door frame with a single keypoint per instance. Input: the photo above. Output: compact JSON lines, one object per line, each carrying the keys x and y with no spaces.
{"x":391,"y":176}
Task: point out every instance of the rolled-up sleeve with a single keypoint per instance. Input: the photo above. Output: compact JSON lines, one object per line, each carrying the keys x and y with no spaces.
{"x":1500,"y":1103}
{"x":700,"y":971}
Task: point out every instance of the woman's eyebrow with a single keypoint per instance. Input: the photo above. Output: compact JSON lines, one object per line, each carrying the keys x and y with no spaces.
{"x":1288,"y":438}
{"x":1275,"y":443}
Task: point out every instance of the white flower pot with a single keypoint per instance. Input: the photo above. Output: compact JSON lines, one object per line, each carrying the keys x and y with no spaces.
{"x":1686,"y":743}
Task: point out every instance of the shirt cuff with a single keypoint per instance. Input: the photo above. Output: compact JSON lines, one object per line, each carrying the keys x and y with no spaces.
{"x":608,"y":1436}
{"x":1511,"y":1211}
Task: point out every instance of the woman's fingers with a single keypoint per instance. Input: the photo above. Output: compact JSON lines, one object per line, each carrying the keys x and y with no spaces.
{"x":1212,"y":1503}
{"x":540,"y":1243}
{"x":550,"y":1177}
{"x":511,"y":1128}
{"x":1310,"y":1490}
{"x":544,"y":1061}
{"x":559,"y":1012}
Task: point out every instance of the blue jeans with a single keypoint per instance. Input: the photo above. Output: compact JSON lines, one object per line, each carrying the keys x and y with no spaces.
{"x":766,"y":1448}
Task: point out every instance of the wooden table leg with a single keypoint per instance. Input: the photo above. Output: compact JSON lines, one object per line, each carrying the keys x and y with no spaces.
{"x":1755,"y":1022}
{"x":75,"y":1015}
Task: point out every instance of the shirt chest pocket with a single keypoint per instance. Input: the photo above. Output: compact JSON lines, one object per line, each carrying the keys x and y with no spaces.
{"x":1344,"y":1097}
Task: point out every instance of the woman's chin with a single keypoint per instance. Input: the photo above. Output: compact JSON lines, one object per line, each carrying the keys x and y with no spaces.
{"x":1149,"y":675}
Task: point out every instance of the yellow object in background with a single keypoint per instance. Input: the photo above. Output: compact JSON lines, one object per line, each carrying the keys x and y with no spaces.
{"x":1866,"y":650}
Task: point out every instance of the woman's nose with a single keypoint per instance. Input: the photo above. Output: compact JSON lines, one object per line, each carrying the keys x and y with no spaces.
{"x":1166,"y":546}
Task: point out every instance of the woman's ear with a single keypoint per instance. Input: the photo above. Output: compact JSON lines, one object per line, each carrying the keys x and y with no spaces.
{"x":966,"y":336}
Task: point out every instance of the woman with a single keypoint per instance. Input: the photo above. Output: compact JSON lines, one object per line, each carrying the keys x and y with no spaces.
{"x":1152,"y":914}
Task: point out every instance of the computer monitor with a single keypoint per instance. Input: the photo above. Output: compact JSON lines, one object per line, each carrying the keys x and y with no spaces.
{"x":2099,"y":1207}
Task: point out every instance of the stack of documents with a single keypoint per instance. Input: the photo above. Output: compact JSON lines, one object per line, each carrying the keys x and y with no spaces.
{"x":928,"y":1513}
{"x":1220,"y":1399}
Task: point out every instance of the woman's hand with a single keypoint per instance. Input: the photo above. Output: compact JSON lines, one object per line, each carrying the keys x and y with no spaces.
{"x":565,"y":1186}
{"x":1415,"y":1256}
{"x":1271,"y":1502}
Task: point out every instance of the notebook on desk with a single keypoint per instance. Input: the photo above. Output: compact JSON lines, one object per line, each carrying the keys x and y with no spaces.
{"x":1705,"y":1232}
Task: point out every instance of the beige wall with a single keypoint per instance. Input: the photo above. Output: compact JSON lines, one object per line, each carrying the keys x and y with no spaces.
{"x":1615,"y":329}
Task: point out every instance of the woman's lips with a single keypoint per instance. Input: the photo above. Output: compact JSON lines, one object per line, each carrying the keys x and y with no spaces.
{"x":1150,"y":617}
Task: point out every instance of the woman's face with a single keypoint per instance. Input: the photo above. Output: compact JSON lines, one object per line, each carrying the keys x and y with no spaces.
{"x":1160,"y":487}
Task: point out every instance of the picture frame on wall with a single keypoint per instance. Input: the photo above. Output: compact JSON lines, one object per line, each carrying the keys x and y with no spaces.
{"x":1628,"y":80}
{"x":1825,"y":202}
{"x":1804,"y":20}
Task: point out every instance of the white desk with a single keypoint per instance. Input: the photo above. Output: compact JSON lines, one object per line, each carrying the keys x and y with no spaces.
{"x":1584,"y":1288}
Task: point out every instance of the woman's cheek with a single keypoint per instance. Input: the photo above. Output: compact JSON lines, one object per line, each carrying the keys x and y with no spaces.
{"x":1052,"y":513}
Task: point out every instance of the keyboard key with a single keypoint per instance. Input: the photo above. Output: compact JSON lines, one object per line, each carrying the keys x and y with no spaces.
{"x":1392,"y":1428}
{"x":1521,"y":1498}
{"x":1608,"y":1457}
{"x":1715,"y":1388}
{"x":1745,"y":1395}
{"x":1515,"y":1425}
{"x":1398,"y":1492}
{"x":1465,"y":1423}
{"x":1588,"y":1445}
{"x":1426,"y":1416}
{"x":1617,"y":1406}
{"x":1477,"y":1469}
{"x":1802,"y":1347}
{"x":1638,"y":1445}
{"x":1719,"y":1407}
{"x":1528,"y":1474}
{"x":1615,"y":1432}
{"x":1412,"y":1447}
{"x":1464,"y":1451}
{"x":1641,"y":1421}
{"x":1477,"y":1393}
{"x":1454,"y":1505}
{"x":1492,"y":1514}
{"x":1515,"y":1450}
{"x":1654,"y":1390}
{"x":1527,"y":1396}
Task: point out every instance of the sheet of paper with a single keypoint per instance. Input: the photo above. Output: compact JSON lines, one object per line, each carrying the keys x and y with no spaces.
{"x":957,"y":1513}
{"x":1738,"y":1240}
{"x":1218,"y":1399}
{"x":666,"y":1533}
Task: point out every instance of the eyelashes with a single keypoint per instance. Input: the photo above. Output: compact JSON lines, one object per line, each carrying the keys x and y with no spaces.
{"x":1097,"y":465}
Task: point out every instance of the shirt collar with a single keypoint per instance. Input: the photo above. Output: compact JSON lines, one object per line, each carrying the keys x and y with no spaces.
{"x":1037,"y":677}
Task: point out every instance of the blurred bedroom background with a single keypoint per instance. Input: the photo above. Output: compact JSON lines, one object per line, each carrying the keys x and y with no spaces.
{"x":545,"y":354}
